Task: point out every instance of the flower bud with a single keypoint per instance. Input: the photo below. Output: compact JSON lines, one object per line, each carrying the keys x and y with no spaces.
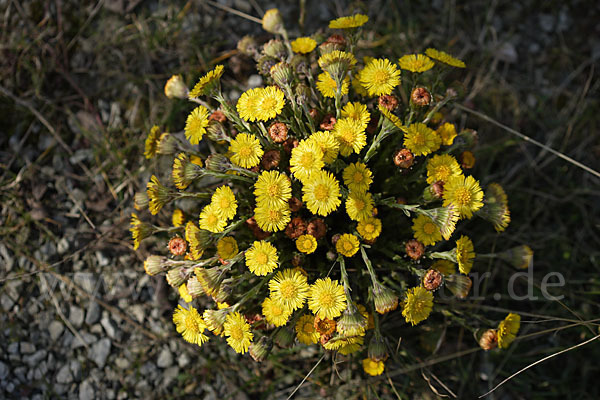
{"x":176,"y":88}
{"x":155,"y":265}
{"x":385,"y":300}
{"x":259,"y":350}
{"x":272,"y":21}
{"x":489,"y":340}
{"x":278,"y":132}
{"x":177,"y":246}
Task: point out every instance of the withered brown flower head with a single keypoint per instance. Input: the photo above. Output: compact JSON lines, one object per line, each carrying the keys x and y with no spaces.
{"x":489,"y":340}
{"x":328,"y":122}
{"x":335,"y":238}
{"x":218,"y":116}
{"x":317,"y":228}
{"x":388,"y":101}
{"x":278,"y":132}
{"x":295,"y":228}
{"x":415,"y":249}
{"x":324,"y":339}
{"x":295,"y":204}
{"x":420,"y":96}
{"x":177,"y":246}
{"x":438,"y":189}
{"x":324,"y":326}
{"x":290,"y":144}
{"x":403,"y":158}
{"x":336,"y":39}
{"x":432,"y":280}
{"x":270,"y":159}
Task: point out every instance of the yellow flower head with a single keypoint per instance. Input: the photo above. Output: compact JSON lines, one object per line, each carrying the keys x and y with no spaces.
{"x":158,"y":195}
{"x":369,"y":228}
{"x":357,"y":111}
{"x":421,"y":140}
{"x":359,"y":205}
{"x":177,"y":218}
{"x":393,"y":118}
{"x":224,"y":202}
{"x":272,"y":189}
{"x":415,"y":63}
{"x":227,"y":247}
{"x":352,"y":21}
{"x":272,"y":21}
{"x":372,"y":367}
{"x":303,"y":45}
{"x":151,"y":144}
{"x":196,"y":123}
{"x":445,"y":267}
{"x":465,"y":193}
{"x":347,"y":245}
{"x":238,"y":332}
{"x":418,"y":305}
{"x":211,"y":219}
{"x":321,"y":193}
{"x":426,"y":231}
{"x":184,"y":294}
{"x":305,"y":330}
{"x":207,"y":83}
{"x":508,"y":329}
{"x":306,"y":159}
{"x":190,"y":324}
{"x":465,"y":253}
{"x":275,"y":313}
{"x":139,"y":230}
{"x":445,"y":58}
{"x":328,"y":87}
{"x":344,"y":345}
{"x":270,"y":103}
{"x":326,"y":298}
{"x":289,"y":288}
{"x":351,"y":136}
{"x":357,"y":86}
{"x":262,"y":258}
{"x":379,"y":77}
{"x":447,"y":132}
{"x":306,"y":244}
{"x":247,"y":104}
{"x":246,"y":150}
{"x":337,"y":63}
{"x":272,"y":219}
{"x":357,"y":177}
{"x":328,"y":145}
{"x":441,"y":168}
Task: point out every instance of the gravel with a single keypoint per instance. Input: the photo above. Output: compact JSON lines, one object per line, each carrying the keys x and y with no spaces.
{"x":100,"y":351}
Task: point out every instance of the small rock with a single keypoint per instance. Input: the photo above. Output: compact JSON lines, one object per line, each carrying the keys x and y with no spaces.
{"x":93,"y":313}
{"x":86,"y":280}
{"x":99,"y":352}
{"x":27,"y":348}
{"x":88,"y":338}
{"x":13,"y":348}
{"x":169,"y":375}
{"x":8,"y":261}
{"x":109,"y":327}
{"x":76,"y":316}
{"x":64,"y":375}
{"x":6,"y":302}
{"x":75,"y":369}
{"x":165,"y":358}
{"x":34,"y":359}
{"x":138,"y":313}
{"x":3,"y":371}
{"x":103,"y":261}
{"x":255,"y":81}
{"x":86,"y":390}
{"x":183,"y":360}
{"x":62,"y":246}
{"x":55,"y":329}
{"x":122,"y":363}
{"x":507,"y":53}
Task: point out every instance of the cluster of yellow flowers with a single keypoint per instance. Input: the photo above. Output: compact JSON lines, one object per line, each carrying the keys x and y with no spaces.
{"x":314,"y":176}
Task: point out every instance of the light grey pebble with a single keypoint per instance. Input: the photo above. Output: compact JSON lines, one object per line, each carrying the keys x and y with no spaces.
{"x":109,"y":327}
{"x":255,"y":81}
{"x":20,"y":373}
{"x":110,"y":394}
{"x":60,"y":389}
{"x":37,"y":374}
{"x":86,"y":390}
{"x":183,"y":360}
{"x":122,"y":363}
{"x":3,"y":371}
{"x":55,"y":329}
{"x":34,"y":359}
{"x":76,"y":316}
{"x":8,"y":260}
{"x":165,"y":358}
{"x":86,"y":280}
{"x":6,"y":302}
{"x":64,"y":375}
{"x":103,"y":261}
{"x":88,"y":338}
{"x":169,"y":375}
{"x":100,"y":351}
{"x":10,"y":387}
{"x":63,"y":245}
{"x":13,"y":348}
{"x":75,"y":369}
{"x":26,"y":348}
{"x":93,"y":313}
{"x":138,"y":312}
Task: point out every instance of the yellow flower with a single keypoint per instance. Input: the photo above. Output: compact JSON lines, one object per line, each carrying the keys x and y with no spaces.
{"x":190,"y":324}
{"x":247,"y":104}
{"x":372,"y":367}
{"x":326,"y":298}
{"x":151,"y":144}
{"x":415,"y":63}
{"x":465,"y":253}
{"x":465,"y":193}
{"x":211,"y":220}
{"x":508,"y":329}
{"x":246,"y":150}
{"x":369,"y":228}
{"x":238,"y":332}
{"x":357,"y":86}
{"x":303,"y":45}
{"x":270,"y":104}
{"x":357,"y":177}
{"x":328,"y":87}
{"x":351,"y":136}
{"x":352,"y":21}
{"x":305,"y":330}
{"x":321,"y":193}
{"x":347,"y":245}
{"x":327,"y":143}
{"x":306,"y":244}
{"x":272,"y":189}
{"x":275,"y":313}
{"x":359,"y":205}
{"x":337,"y":63}
{"x":345,"y":345}
{"x":447,"y":132}
{"x":357,"y":111}
{"x":394,"y":119}
{"x":196,"y":123}
{"x":158,"y":195}
{"x":426,"y":231}
{"x":207,"y":82}
{"x":306,"y":159}
{"x":177,"y":219}
{"x":227,"y":248}
{"x":441,"y":168}
{"x":418,"y":305}
{"x":445,"y":58}
{"x":289,"y":288}
{"x":445,"y":267}
{"x":184,"y":294}
{"x":421,"y":140}
{"x":272,"y":219}
{"x":139,"y":230}
{"x":225,"y":202}
{"x":262,"y":258}
{"x":379,"y":77}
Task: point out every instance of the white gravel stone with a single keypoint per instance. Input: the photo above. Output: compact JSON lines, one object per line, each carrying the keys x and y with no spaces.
{"x":64,"y":375}
{"x":27,"y":348}
{"x":100,"y":351}
{"x":86,"y":390}
{"x":76,"y":316}
{"x":165,"y":358}
{"x":55,"y":329}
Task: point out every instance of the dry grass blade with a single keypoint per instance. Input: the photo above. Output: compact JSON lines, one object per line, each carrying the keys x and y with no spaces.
{"x":306,"y":377}
{"x":234,"y":11}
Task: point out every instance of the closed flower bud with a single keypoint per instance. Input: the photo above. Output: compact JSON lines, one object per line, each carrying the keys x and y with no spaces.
{"x":459,"y":285}
{"x":377,"y":350}
{"x":247,"y":46}
{"x":352,"y":322}
{"x":385,"y":300}
{"x":420,"y":96}
{"x":177,"y":276}
{"x":155,"y":265}
{"x":193,"y":287}
{"x":167,"y":144}
{"x":140,"y":200}
{"x":489,"y":340}
{"x":302,"y":94}
{"x":176,"y":88}
{"x":278,"y":132}
{"x":282,"y":74}
{"x":259,"y":350}
{"x":284,"y":337}
{"x":272,"y":21}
